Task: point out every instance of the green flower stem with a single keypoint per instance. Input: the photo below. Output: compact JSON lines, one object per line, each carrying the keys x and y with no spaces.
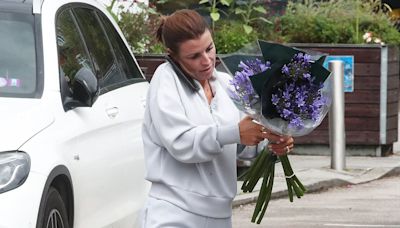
{"x":300,"y":184}
{"x":268,"y":165}
{"x":254,"y":170}
{"x":290,"y":191}
{"x":263,"y":195}
{"x":246,"y":174}
{"x":297,"y":190}
{"x":264,"y":166}
{"x":269,"y":190}
{"x":287,"y":168}
{"x":287,"y":172}
{"x":292,"y":181}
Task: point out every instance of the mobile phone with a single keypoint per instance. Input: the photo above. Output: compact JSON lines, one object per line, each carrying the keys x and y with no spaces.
{"x":185,"y":79}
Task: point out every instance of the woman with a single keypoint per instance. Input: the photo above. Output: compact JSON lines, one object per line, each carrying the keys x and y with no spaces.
{"x":190,"y":131}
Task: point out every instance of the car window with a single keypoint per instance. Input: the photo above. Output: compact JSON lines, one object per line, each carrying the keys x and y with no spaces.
{"x":104,"y":60}
{"x":72,"y":54}
{"x":125,"y":60}
{"x":18,"y":77}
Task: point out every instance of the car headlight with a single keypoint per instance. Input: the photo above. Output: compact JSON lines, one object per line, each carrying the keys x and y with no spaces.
{"x":14,"y":169}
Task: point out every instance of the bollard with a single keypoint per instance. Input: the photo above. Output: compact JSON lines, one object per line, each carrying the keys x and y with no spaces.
{"x":337,"y":140}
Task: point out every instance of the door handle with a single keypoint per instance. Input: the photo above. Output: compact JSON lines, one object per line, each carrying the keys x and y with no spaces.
{"x":112,"y":112}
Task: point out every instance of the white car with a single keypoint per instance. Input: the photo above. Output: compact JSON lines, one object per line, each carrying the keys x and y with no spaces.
{"x":71,"y":106}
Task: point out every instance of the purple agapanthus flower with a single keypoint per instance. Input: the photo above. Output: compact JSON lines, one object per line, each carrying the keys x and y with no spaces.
{"x":299,"y":99}
{"x":243,"y":91}
{"x":299,"y":67}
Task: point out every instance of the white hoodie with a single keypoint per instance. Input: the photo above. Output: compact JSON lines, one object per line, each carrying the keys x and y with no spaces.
{"x":189,"y":145}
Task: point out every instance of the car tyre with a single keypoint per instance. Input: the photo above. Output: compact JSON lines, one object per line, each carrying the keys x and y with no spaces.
{"x":55,"y":212}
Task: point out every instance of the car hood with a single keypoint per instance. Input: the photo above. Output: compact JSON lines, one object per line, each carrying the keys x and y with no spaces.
{"x":20,"y":120}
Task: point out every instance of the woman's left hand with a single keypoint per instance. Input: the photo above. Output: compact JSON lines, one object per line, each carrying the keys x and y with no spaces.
{"x":282,"y":146}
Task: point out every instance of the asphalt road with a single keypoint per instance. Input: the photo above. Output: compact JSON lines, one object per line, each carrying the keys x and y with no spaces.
{"x":371,"y":205}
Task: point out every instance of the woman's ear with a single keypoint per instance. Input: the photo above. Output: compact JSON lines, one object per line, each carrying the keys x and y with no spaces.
{"x":169,"y":51}
{"x":172,"y":54}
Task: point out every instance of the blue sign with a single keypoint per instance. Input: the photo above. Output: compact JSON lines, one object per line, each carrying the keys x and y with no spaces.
{"x":348,"y":61}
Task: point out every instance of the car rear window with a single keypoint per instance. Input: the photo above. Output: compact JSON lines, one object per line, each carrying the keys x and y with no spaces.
{"x":17,"y":55}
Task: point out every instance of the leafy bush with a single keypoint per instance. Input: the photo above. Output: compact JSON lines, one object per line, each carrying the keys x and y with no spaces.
{"x":138,"y":23}
{"x":336,"y":21}
{"x":250,"y":12}
{"x":314,"y":29}
{"x":379,"y":27}
{"x":230,"y":36}
{"x":308,"y":21}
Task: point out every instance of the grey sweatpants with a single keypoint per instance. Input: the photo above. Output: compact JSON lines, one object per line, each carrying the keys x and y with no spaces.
{"x":162,"y":214}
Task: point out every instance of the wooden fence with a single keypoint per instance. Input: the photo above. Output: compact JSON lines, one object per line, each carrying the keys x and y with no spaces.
{"x":371,"y":110}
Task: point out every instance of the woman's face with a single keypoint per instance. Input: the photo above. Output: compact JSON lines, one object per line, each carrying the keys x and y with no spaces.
{"x":197,"y":57}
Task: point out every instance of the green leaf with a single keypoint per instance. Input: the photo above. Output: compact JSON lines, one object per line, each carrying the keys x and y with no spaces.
{"x":239,"y":11}
{"x":265,"y":20}
{"x":248,"y":29}
{"x":260,"y":9}
{"x":152,"y":11}
{"x":226,"y":2}
{"x":203,"y":1}
{"x":215,"y":16}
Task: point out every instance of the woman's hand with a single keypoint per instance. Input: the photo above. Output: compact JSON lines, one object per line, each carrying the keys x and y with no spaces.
{"x":252,"y":133}
{"x":280,"y":145}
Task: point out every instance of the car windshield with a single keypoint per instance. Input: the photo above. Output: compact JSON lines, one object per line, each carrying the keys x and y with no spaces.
{"x":18,"y":77}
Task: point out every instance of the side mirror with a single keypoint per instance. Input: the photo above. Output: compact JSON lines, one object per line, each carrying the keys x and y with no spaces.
{"x":85,"y":90}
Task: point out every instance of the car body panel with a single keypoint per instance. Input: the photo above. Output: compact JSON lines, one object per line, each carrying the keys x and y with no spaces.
{"x":100,"y":146}
{"x":84,"y":143}
{"x":19,"y":207}
{"x":16,"y":114}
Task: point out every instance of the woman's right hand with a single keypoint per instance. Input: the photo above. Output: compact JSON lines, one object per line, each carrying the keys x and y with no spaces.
{"x":251,"y":133}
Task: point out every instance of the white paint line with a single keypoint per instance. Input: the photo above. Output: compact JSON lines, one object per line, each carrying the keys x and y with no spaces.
{"x":359,"y":225}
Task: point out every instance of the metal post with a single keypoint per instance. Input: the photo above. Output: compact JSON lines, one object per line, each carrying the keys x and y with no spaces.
{"x":336,"y":117}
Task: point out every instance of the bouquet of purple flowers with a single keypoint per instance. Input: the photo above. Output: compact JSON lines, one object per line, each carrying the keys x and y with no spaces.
{"x":285,"y":90}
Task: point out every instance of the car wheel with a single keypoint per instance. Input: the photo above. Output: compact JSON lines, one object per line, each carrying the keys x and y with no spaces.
{"x":55,"y":213}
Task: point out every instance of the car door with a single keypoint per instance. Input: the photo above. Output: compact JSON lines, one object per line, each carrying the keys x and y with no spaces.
{"x":108,"y":175}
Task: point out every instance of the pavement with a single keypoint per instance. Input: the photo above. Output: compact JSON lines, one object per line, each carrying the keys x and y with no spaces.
{"x":316,"y":174}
